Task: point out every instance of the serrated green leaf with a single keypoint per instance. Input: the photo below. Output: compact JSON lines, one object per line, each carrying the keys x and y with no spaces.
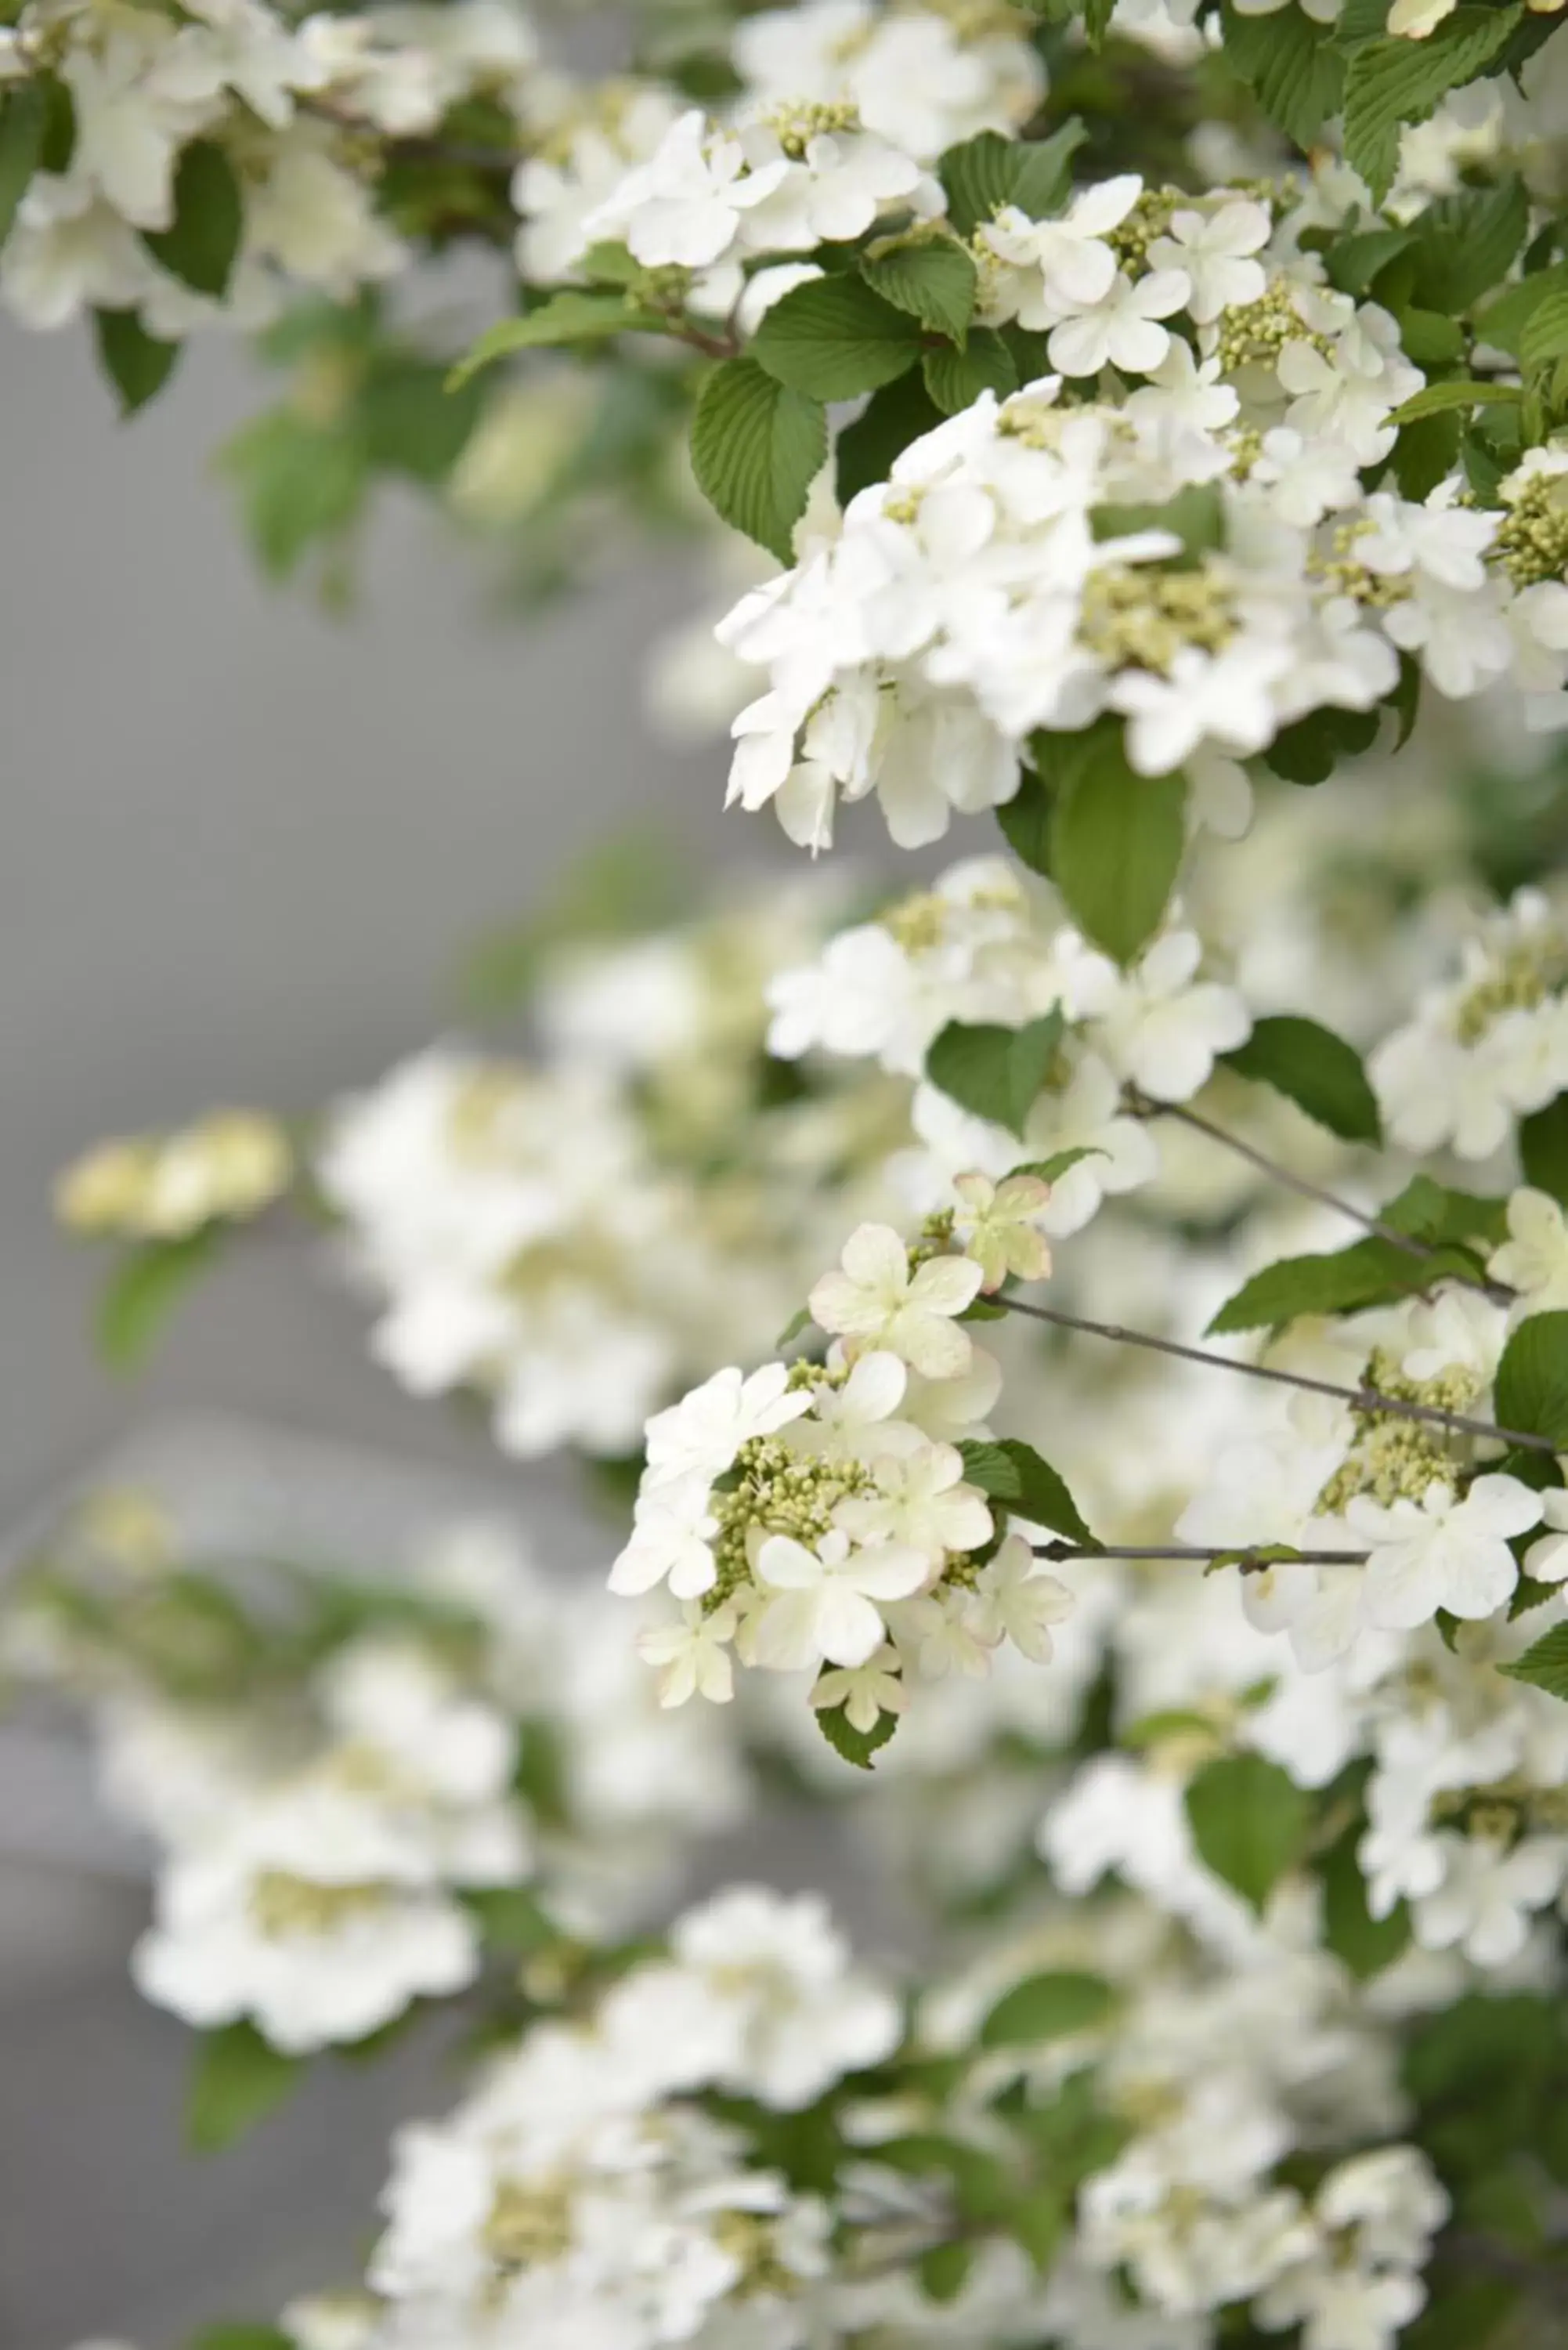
{"x":756,"y":448}
{"x":585,"y":315}
{"x":983,"y":173}
{"x":1543,"y":1148}
{"x":1530,"y":1391}
{"x":933,"y":278}
{"x":1544,"y":336}
{"x":239,"y":2078}
{"x":1291,"y":65}
{"x":833,"y":337}
{"x":144,"y":1289}
{"x":1369,"y":1273}
{"x":866,"y":450}
{"x":1043,"y":168}
{"x":1429,"y":338}
{"x":1046,"y":2007}
{"x":1048,"y":1170}
{"x":1250,"y":1822}
{"x":856,"y":1746}
{"x":1117,"y":843}
{"x":1390,"y":84}
{"x":1310,"y":751}
{"x":1464,"y":245}
{"x":955,"y":379}
{"x":1013,"y":1473}
{"x":1501,"y":323}
{"x":995,"y":1073}
{"x":1315,"y":1069}
{"x":136,"y":363}
{"x":203,"y":245}
{"x":1354,"y":260}
{"x":1436,"y":399}
{"x":24,"y":121}
{"x":1544,"y":1666}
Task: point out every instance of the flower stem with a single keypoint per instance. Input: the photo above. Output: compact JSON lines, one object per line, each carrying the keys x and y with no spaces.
{"x":1251,"y":1557}
{"x":1367,"y":1399}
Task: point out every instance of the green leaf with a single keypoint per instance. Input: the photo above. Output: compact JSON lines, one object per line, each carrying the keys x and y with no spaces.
{"x":144,"y":1289}
{"x":1315,"y":1069}
{"x":1464,"y":245}
{"x":1195,"y":515}
{"x":202,"y":245}
{"x":1013,"y":1473}
{"x":1025,"y":822}
{"x":995,"y":1073}
{"x":241,"y":2334}
{"x":1048,"y":1170}
{"x":1292,"y":67}
{"x":1043,"y":168}
{"x":833,"y":337}
{"x":955,"y":379}
{"x":136,"y":363}
{"x":756,"y":448}
{"x":239,"y":2079}
{"x":1543,"y":1148}
{"x":1352,"y":262}
{"x":1363,"y":1943}
{"x":412,"y":423}
{"x":1310,"y":751}
{"x":1437,"y":398}
{"x":856,"y":1746}
{"x":1502,"y":323}
{"x":298,"y":482}
{"x":943,"y":2270}
{"x":933,"y":278}
{"x":1531,"y":1390}
{"x":1390,"y":84}
{"x":1438,"y":1214}
{"x":579,"y":314}
{"x":1117,"y":843}
{"x":1046,"y":2007}
{"x":509,"y":1917}
{"x":1369,"y":1273}
{"x":987,"y":172}
{"x":1545,"y":1666}
{"x":1250,"y":1822}
{"x":866,"y":451}
{"x":24,"y":121}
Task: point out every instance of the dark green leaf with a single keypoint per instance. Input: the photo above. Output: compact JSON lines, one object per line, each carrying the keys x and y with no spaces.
{"x":995,"y":1073}
{"x":979,"y":179}
{"x":756,"y":448}
{"x":412,"y":423}
{"x":866,"y":451}
{"x":1438,"y":398}
{"x":1425,"y":455}
{"x":24,"y":120}
{"x":1365,"y":1943}
{"x":1543,"y":1148}
{"x":1025,"y":821}
{"x":1545,"y":1666}
{"x":1117,"y":843}
{"x":1043,"y":168}
{"x":1429,"y":338}
{"x":1464,"y":245}
{"x":1370,"y":1273}
{"x":1013,"y":1473}
{"x":856,"y":1746}
{"x":833,"y":337}
{"x":1291,"y":65}
{"x":1250,"y":1822}
{"x":944,"y":2270}
{"x":1502,"y":323}
{"x":238,"y":2080}
{"x":1531,"y":1390}
{"x":955,"y":379}
{"x":933,"y":278}
{"x":576,"y":316}
{"x":203,"y":243}
{"x":1391,"y":84}
{"x":1046,"y":2007}
{"x":239,"y":2333}
{"x":1352,"y":262}
{"x":1315,"y":1069}
{"x":1195,"y":515}
{"x":136,"y":363}
{"x":1310,"y":751}
{"x":144,"y":1289}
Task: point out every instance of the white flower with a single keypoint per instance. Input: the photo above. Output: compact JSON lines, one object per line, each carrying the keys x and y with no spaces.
{"x":684,"y":206}
{"x":700,"y":1435}
{"x":1123,"y":329}
{"x":1053,"y":268}
{"x":874,"y":1298}
{"x":921,"y":1502}
{"x":1547,"y":1560}
{"x":1444,"y":1553}
{"x":1488,"y":1893}
{"x":865,"y":1691}
{"x":831,"y":193}
{"x":1018,"y":1599}
{"x":824,"y":1600}
{"x":692,"y":1656}
{"x":1215,"y":252}
{"x":998,"y":1224}
{"x":672,"y":1532}
{"x":1162,"y":1027}
{"x":1534,"y":1257}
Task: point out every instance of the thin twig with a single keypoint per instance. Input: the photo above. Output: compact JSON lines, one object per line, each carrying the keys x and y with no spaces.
{"x":1498,"y":1290}
{"x":1201,"y":1553}
{"x":1366,"y":1399}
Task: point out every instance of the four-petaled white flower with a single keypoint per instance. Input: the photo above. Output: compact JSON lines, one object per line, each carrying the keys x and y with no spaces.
{"x":997,"y":1224}
{"x":684,"y":206}
{"x":875,"y":1299}
{"x":921,"y":1500}
{"x":1442,"y":1552}
{"x":671,"y":1535}
{"x":692,"y":1656}
{"x":1215,"y":251}
{"x":1122,"y":330}
{"x":865,"y":1691}
{"x":1018,"y":1599}
{"x":700,"y":1435}
{"x":824,"y":1600}
{"x":1534,"y":1257}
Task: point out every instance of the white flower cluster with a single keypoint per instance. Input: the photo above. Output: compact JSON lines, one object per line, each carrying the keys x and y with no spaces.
{"x":1488,"y":1046}
{"x":986,"y":944}
{"x":578,"y":2196}
{"x":288,"y":100}
{"x":1032,"y":563}
{"x":574,"y":1236}
{"x":819,"y":1519}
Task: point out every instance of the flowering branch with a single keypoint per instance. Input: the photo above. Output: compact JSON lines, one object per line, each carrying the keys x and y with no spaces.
{"x":1363,"y":1398}
{"x":1252,"y":1561}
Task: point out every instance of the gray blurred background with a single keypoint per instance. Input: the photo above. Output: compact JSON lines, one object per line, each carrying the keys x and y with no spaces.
{"x":243,"y":847}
